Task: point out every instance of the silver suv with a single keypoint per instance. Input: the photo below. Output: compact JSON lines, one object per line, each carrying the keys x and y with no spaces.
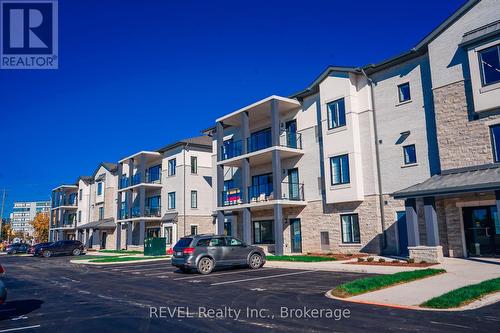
{"x":205,"y":252}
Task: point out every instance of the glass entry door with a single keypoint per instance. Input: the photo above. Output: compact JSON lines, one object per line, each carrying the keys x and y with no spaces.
{"x":482,"y":230}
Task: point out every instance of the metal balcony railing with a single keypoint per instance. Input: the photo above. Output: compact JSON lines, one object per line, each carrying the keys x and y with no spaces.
{"x":136,"y":179}
{"x":124,"y":181}
{"x":153,"y":177}
{"x":152,"y":211}
{"x":259,"y":140}
{"x":292,"y":191}
{"x":231,"y":197}
{"x":260,"y":192}
{"x":291,"y":139}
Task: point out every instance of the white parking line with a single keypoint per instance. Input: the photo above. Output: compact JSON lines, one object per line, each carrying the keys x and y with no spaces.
{"x":159,"y":273}
{"x":228,"y":273}
{"x":261,"y":278}
{"x":19,"y":328}
{"x":140,"y":270}
{"x":112,"y":268}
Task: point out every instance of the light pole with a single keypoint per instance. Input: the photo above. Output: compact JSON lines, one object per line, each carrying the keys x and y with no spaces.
{"x":1,"y":212}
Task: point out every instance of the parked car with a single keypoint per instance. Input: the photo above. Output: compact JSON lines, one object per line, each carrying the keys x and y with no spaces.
{"x":206,"y":252}
{"x":33,"y":248}
{"x":3,"y":289}
{"x":63,"y":247}
{"x":17,"y":248}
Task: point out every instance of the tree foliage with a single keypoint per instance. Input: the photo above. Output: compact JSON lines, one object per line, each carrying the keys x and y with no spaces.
{"x":41,"y":225}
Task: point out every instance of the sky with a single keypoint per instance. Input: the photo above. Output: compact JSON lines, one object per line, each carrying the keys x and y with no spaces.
{"x":137,"y":75}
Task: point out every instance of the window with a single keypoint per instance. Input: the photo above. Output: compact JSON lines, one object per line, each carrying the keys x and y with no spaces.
{"x":171,"y":200}
{"x":204,"y":242}
{"x":79,"y":216}
{"x":336,"y":113}
{"x":99,"y":188}
{"x":153,"y":175}
{"x":80,"y":194}
{"x":263,"y":232}
{"x":404,"y":92}
{"x":219,"y":241}
{"x":194,"y":199}
{"x":489,"y":63}
{"x":194,"y":164}
{"x":101,"y":213}
{"x":339,"y":169}
{"x":233,"y":241}
{"x":410,"y":154}
{"x":194,"y":230}
{"x":495,"y":142}
{"x":350,"y":228}
{"x":168,"y":234}
{"x":172,"y":164}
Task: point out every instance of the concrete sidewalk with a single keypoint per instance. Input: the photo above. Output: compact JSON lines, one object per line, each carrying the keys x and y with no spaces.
{"x":459,"y":273}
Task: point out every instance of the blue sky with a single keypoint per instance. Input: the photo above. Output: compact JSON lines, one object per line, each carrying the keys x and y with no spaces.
{"x":137,"y":75}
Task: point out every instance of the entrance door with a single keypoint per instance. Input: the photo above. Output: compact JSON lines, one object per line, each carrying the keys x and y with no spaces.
{"x":291,"y":134}
{"x":482,"y":230}
{"x":293,"y":184}
{"x":295,"y":236}
{"x":402,"y":233}
{"x":103,"y":239}
{"x":153,"y":232}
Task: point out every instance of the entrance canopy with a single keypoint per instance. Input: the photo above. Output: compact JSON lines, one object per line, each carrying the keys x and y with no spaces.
{"x":101,"y":224}
{"x":464,"y":180}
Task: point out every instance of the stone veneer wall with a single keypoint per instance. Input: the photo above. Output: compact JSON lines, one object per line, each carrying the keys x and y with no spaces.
{"x":315,"y":218}
{"x":205,"y":224}
{"x":462,"y":141}
{"x":391,"y":206}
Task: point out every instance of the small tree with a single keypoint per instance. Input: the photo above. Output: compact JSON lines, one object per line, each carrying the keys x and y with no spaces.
{"x":7,"y":233}
{"x":41,"y":226}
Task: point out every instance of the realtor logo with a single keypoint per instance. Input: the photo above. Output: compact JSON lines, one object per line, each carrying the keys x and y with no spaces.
{"x":28,"y":34}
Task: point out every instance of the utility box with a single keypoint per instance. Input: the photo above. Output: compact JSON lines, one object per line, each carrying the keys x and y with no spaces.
{"x":155,"y":246}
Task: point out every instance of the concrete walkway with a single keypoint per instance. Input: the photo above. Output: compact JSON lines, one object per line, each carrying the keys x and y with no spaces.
{"x":459,"y":273}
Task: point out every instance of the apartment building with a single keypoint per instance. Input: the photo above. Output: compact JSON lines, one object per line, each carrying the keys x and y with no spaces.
{"x":455,"y":212}
{"x":96,"y":213}
{"x":325,"y":169}
{"x":63,"y":212}
{"x":23,"y":212}
{"x":165,"y":193}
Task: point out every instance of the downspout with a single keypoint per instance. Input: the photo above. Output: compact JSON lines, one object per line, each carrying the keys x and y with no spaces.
{"x":184,"y":185}
{"x":377,"y":158}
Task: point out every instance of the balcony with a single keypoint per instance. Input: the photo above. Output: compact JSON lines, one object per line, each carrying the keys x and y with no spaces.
{"x":135,"y":212}
{"x":124,"y":181}
{"x":136,"y":179}
{"x":262,"y":193}
{"x":152,"y":211}
{"x":231,"y":149}
{"x":259,"y":140}
{"x":152,"y":177}
{"x":231,"y":197}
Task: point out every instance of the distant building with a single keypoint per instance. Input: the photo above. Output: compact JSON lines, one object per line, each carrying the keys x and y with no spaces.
{"x":24,"y":212}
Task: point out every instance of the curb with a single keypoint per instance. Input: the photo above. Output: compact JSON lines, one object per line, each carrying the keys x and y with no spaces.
{"x":484,"y":301}
{"x":87,"y":262}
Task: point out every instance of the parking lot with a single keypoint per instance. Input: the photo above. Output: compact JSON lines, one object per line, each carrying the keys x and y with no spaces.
{"x":55,"y":295}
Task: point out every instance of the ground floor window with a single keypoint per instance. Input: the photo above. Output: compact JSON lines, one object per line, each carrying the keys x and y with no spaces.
{"x":350,"y":228}
{"x":228,"y":227}
{"x":263,"y":232}
{"x":153,"y":232}
{"x":168,"y":234}
{"x":194,"y":230}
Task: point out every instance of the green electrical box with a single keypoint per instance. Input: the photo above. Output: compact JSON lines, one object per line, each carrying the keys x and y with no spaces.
{"x":155,"y":246}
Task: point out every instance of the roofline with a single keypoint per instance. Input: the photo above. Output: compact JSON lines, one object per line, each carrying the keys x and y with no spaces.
{"x":102,"y":165}
{"x":262,"y":101}
{"x":184,"y":144}
{"x":65,"y":186}
{"x":311,"y":89}
{"x":439,"y":192}
{"x":146,"y":152}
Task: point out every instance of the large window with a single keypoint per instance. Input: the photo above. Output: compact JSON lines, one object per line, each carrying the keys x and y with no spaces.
{"x":495,"y":142}
{"x":194,"y":230}
{"x":99,"y":188}
{"x":489,"y":62}
{"x":339,"y":169}
{"x":336,"y":113}
{"x":194,"y":164}
{"x":263,"y":232}
{"x":171,"y":200}
{"x":194,"y":199}
{"x":350,"y":228}
{"x":404,"y":92}
{"x":154,"y":174}
{"x":172,"y":165}
{"x":410,"y":154}
{"x":80,"y":194}
{"x":79,"y":216}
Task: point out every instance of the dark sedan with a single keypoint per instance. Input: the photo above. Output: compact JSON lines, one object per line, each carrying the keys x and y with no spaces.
{"x":17,"y":248}
{"x":33,"y":248}
{"x":63,"y":247}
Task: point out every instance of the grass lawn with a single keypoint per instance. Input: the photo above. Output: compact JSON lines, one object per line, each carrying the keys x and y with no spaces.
{"x":365,"y":285}
{"x":122,"y":259}
{"x":300,"y":258}
{"x":464,"y":295}
{"x":86,"y":257}
{"x":121,"y":251}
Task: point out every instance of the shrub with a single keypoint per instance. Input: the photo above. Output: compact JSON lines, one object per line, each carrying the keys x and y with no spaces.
{"x":423,"y":262}
{"x":370,"y":259}
{"x":361,"y":259}
{"x":395,"y":261}
{"x":410,"y":261}
{"x":349,"y":254}
{"x":381,"y":260}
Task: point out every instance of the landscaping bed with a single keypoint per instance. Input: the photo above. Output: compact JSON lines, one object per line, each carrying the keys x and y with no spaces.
{"x":338,"y":256}
{"x":463,"y":296}
{"x":369,"y":284}
{"x":383,"y":262}
{"x":302,"y":258}
{"x":122,"y":251}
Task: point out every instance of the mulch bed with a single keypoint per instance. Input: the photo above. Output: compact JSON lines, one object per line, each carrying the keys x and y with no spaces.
{"x":388,"y":263}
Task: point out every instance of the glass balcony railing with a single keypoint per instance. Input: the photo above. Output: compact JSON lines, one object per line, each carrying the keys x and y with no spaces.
{"x":260,"y":192}
{"x":231,"y":197}
{"x":259,"y":140}
{"x":291,"y":139}
{"x":153,"y":177}
{"x":231,"y":149}
{"x":152,"y":211}
{"x":292,"y":191}
{"x":124,"y":214}
{"x":136,"y":179}
{"x":124,"y":181}
{"x":135,"y":212}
